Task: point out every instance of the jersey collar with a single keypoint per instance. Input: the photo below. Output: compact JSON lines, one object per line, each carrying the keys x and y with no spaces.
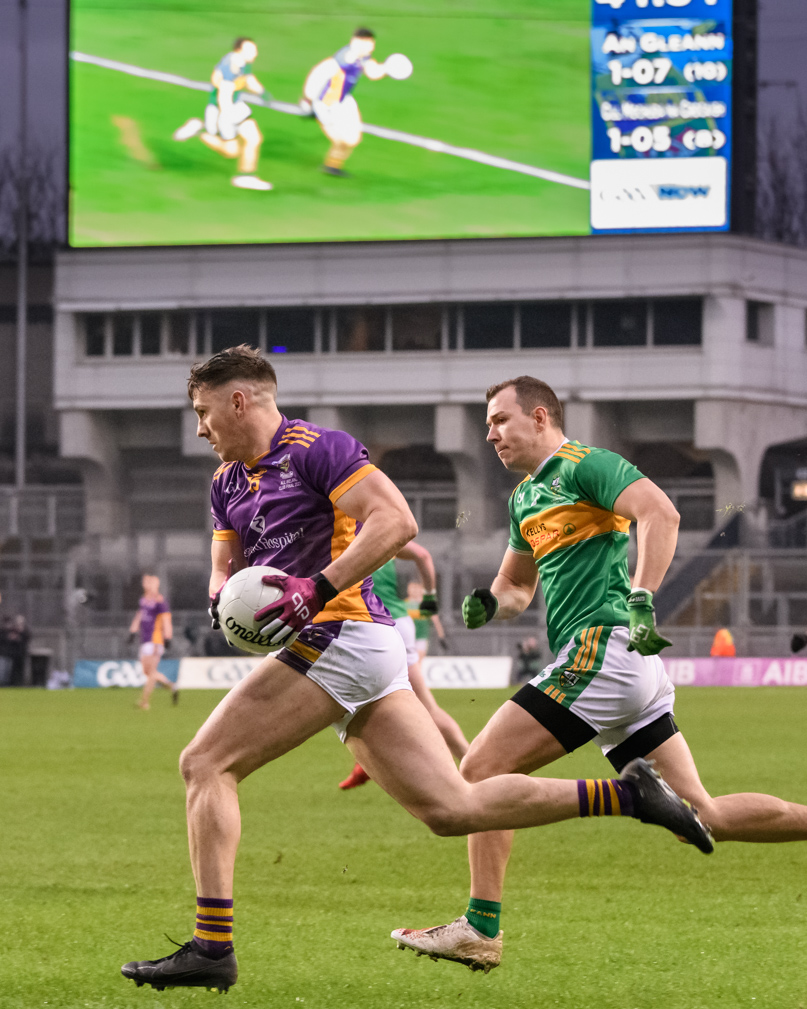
{"x":545,"y":461}
{"x":284,"y":423}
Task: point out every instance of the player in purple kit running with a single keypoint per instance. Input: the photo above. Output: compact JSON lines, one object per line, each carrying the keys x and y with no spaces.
{"x":153,"y":621}
{"x":307,"y":500}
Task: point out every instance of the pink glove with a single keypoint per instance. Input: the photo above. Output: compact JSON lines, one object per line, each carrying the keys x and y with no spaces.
{"x":302,"y":600}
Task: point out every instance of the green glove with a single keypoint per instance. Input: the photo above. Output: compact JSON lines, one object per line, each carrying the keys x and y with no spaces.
{"x":428,"y":604}
{"x":479,"y":607}
{"x":644,"y":638}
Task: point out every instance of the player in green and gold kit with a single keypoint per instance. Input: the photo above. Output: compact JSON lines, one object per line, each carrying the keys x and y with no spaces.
{"x":569,"y":522}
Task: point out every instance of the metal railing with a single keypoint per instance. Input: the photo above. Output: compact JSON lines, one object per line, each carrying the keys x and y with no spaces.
{"x":41,"y":511}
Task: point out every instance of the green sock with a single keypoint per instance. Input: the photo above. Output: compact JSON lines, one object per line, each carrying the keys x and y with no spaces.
{"x":484,"y":916}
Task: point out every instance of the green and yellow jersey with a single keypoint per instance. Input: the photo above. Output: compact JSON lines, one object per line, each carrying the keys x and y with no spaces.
{"x":563,"y":516}
{"x":385,"y":586}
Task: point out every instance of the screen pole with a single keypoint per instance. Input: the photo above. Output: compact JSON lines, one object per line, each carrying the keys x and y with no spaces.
{"x":22,"y":252}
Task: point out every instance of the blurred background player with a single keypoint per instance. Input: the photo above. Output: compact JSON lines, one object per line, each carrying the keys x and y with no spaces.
{"x":153,"y":620}
{"x":424,"y":623}
{"x":228,"y":127}
{"x":385,"y":586}
{"x":327,"y":93}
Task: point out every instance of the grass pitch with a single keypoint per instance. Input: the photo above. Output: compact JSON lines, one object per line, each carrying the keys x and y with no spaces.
{"x":597,"y":915}
{"x":505,"y":77}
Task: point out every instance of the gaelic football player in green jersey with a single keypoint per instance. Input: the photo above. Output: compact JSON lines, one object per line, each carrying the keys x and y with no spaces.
{"x":569,"y":521}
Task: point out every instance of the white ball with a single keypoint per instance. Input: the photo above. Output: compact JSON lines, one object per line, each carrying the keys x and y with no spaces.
{"x":241,"y":597}
{"x":398,"y":66}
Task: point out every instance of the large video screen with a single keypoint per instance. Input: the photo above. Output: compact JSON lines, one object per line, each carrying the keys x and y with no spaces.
{"x":200,"y":122}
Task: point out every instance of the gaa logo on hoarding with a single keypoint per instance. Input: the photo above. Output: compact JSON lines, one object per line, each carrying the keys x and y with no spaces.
{"x":120,"y":674}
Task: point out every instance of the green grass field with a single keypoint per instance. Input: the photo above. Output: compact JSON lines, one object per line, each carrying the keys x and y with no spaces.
{"x":507,"y":78}
{"x":597,"y":915}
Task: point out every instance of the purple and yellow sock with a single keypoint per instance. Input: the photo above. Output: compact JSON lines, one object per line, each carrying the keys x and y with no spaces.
{"x":605,"y":797}
{"x":214,"y":926}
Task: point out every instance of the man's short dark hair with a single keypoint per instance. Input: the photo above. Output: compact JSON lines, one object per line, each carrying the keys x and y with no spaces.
{"x":363,"y":33}
{"x":242,"y":362}
{"x":531,"y":392}
{"x":240,"y":41}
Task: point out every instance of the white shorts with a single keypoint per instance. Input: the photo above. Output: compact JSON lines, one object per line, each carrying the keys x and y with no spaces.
{"x":151,"y":648}
{"x":354,"y":662}
{"x":614,"y":692}
{"x":341,"y":121}
{"x":406,"y":628}
{"x":226,"y":124}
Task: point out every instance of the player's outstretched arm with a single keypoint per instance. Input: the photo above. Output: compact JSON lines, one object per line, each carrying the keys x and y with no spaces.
{"x":387,"y":526}
{"x":425,"y":565}
{"x":253,"y":85}
{"x":374,"y":70}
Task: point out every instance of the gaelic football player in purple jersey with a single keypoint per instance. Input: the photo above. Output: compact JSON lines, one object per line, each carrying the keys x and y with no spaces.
{"x":153,"y":623}
{"x":308,"y":501}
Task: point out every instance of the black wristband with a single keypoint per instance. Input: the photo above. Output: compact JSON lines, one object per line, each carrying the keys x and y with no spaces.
{"x":325,"y":590}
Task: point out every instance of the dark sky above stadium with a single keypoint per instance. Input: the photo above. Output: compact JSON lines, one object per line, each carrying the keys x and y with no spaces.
{"x":783,"y":70}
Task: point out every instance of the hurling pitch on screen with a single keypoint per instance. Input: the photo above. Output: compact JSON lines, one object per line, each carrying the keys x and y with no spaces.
{"x":488,"y":137}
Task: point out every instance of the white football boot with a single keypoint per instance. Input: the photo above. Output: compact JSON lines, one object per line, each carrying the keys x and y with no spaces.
{"x":250,"y":182}
{"x":192,"y":128}
{"x":458,"y":941}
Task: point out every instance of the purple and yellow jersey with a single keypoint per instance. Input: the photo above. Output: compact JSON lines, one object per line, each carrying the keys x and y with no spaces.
{"x":282,"y":507}
{"x":345,"y":79}
{"x":151,"y":619}
{"x":238,"y":77}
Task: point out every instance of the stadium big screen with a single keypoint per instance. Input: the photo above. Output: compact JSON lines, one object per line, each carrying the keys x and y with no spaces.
{"x":506,"y":118}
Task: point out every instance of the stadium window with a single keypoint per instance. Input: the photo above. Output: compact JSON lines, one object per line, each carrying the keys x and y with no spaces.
{"x":677,"y":322}
{"x":94,"y":334}
{"x":231,"y":327}
{"x":759,"y":323}
{"x":620,"y":323}
{"x":290,"y":330}
{"x":123,"y":334}
{"x":150,"y":333}
{"x":360,"y":329}
{"x":546,"y":324}
{"x":417,"y":327}
{"x":488,"y":327}
{"x":179,"y":332}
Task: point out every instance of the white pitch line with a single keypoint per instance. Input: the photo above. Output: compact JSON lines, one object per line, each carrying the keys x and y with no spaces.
{"x":437,"y":146}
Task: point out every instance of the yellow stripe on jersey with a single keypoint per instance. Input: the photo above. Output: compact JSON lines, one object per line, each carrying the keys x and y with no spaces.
{"x":299,"y":429}
{"x":349,"y":604}
{"x":351,"y":481}
{"x":222,"y":470}
{"x":296,"y":440}
{"x":562,"y":526}
{"x":225,"y":534}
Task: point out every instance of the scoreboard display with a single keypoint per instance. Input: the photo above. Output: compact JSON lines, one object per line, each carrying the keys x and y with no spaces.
{"x":201,"y":123}
{"x":661,"y":85}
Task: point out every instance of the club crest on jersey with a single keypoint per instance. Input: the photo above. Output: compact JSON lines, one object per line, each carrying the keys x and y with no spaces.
{"x":555,"y":485}
{"x":567,"y":678}
{"x":283,"y":464}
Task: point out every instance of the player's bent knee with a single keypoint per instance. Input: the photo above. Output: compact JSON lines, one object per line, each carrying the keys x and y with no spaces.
{"x":447,"y":820}
{"x":477,"y":765}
